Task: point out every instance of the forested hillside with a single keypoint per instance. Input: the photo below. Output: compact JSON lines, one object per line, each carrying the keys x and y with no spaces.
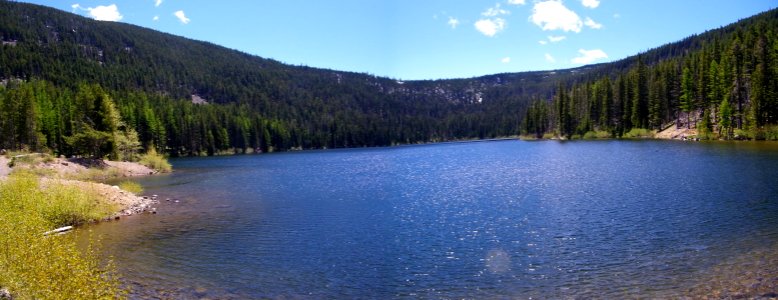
{"x":61,"y":72}
{"x":723,"y":83}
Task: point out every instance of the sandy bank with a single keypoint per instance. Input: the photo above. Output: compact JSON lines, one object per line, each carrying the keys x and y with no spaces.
{"x":74,"y":172}
{"x":4,"y":168}
{"x":673,"y":133}
{"x":71,"y":168}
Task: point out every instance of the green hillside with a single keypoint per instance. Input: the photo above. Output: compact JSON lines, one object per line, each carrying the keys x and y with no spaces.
{"x":62,"y":71}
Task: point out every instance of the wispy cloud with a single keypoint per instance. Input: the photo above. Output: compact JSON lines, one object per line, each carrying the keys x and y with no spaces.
{"x":453,"y":22}
{"x":157,"y":3}
{"x":590,"y":3}
{"x":553,"y":15}
{"x":542,"y":42}
{"x":550,"y":58}
{"x":617,"y":16}
{"x":181,"y":17}
{"x":490,"y":27}
{"x":101,"y":12}
{"x":156,"y":18}
{"x":505,"y":60}
{"x":589,"y":56}
{"x":517,"y":2}
{"x":495,"y":11}
{"x":555,"y":39}
{"x":592,"y":24}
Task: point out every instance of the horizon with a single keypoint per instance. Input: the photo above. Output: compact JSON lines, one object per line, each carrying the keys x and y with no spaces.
{"x":502,"y":37}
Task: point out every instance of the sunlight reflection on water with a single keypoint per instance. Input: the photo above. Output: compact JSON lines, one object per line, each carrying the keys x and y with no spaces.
{"x":473,"y":220}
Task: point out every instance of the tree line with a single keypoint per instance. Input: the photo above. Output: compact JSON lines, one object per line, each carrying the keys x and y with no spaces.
{"x":726,"y":88}
{"x":76,"y":86}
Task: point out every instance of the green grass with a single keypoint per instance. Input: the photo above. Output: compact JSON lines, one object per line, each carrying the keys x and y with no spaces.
{"x":35,"y":266}
{"x":26,"y":158}
{"x":591,"y":135}
{"x":156,"y":161}
{"x":637,"y":133}
{"x":95,"y":175}
{"x":131,"y":186}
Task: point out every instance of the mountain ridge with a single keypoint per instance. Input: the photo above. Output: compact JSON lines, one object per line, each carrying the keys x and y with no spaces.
{"x":318,"y":107}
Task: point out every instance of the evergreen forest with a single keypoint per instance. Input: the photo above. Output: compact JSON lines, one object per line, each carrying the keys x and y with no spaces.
{"x":75,"y":86}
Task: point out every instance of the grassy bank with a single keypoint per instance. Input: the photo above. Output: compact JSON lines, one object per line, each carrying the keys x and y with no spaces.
{"x":34,"y":266}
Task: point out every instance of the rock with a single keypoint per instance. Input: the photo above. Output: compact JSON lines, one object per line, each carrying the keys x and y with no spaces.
{"x":117,"y":217}
{"x":200,"y":291}
{"x":115,"y":187}
{"x":176,"y":201}
{"x":5,"y":294}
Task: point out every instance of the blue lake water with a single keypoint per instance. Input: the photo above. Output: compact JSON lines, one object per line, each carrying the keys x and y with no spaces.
{"x":483,"y":220}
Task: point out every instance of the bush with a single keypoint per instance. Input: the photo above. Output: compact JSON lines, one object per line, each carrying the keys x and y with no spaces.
{"x":35,"y":266}
{"x":742,"y":134}
{"x":131,"y":186}
{"x":771,"y":133}
{"x":22,"y":158}
{"x":590,"y":135}
{"x":548,"y":136}
{"x":95,"y":175}
{"x":639,"y":133}
{"x":154,"y":160}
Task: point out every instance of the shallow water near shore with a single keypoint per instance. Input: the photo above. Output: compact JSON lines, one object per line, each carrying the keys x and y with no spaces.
{"x":501,"y":219}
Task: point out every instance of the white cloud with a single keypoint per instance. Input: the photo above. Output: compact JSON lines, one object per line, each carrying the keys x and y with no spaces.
{"x":495,"y":11}
{"x":156,"y":18}
{"x":616,"y":16}
{"x":592,"y":24}
{"x":505,"y":60}
{"x":553,"y":15}
{"x":590,"y":3}
{"x":157,"y":3}
{"x":555,"y":39}
{"x":181,"y":17}
{"x":550,"y":58}
{"x":542,"y":42}
{"x":453,"y":22}
{"x":517,"y":2}
{"x":490,"y":27}
{"x":589,"y":56}
{"x":101,"y":12}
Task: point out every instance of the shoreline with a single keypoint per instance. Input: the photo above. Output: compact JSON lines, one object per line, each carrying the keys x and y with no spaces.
{"x":89,"y":175}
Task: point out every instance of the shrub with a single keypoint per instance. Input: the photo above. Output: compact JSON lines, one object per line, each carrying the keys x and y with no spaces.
{"x":35,"y":266}
{"x":771,"y":133}
{"x":548,"y":136}
{"x":131,"y":186}
{"x":95,"y":175}
{"x":156,"y":161}
{"x":639,"y":133}
{"x":743,"y":134}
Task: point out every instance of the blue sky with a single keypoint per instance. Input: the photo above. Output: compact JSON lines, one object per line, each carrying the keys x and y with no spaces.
{"x":428,"y":39}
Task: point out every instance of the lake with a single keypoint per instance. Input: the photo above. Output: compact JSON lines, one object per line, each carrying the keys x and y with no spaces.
{"x":483,"y":220}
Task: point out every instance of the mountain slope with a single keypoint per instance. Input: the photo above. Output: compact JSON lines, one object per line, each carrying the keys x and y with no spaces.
{"x":258,"y":103}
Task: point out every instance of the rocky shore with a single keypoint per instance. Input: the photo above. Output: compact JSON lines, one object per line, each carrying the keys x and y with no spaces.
{"x":80,"y":173}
